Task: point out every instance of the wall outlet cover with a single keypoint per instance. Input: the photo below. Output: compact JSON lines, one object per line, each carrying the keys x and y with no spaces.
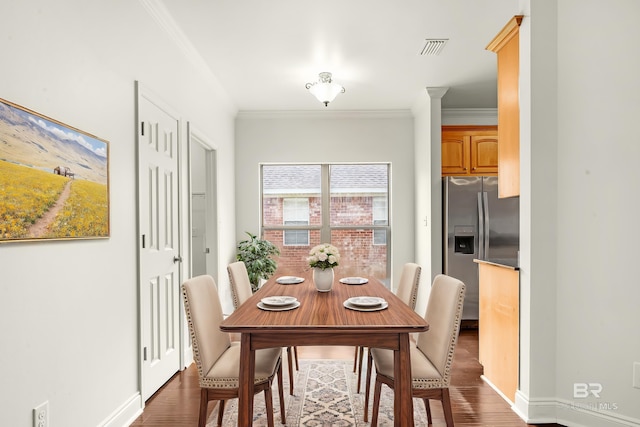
{"x":41,"y":415}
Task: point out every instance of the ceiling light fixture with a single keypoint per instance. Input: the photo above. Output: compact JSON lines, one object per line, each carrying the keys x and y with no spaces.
{"x":325,"y":89}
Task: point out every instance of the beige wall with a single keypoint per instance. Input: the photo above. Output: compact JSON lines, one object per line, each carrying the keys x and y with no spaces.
{"x":329,"y":137}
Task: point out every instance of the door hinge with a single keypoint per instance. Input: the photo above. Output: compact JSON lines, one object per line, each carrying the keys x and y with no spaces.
{"x":144,"y":354}
{"x":142,"y":128}
{"x":143,"y":241}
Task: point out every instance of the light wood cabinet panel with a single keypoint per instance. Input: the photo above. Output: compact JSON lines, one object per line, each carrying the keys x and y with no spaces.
{"x":507,"y":47}
{"x":469,"y":150}
{"x":498,"y":327}
{"x":455,"y":154}
{"x":484,"y":154}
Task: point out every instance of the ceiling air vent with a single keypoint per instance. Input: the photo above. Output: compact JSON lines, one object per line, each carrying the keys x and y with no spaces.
{"x":433,"y":47}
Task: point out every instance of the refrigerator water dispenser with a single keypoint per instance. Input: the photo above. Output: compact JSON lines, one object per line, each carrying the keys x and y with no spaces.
{"x":464,"y":240}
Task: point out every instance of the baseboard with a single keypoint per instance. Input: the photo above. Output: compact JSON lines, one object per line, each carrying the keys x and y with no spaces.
{"x":543,"y":411}
{"x":601,"y":414}
{"x":570,"y":413}
{"x":125,"y":414}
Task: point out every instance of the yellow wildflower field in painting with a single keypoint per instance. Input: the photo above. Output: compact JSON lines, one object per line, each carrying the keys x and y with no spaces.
{"x":54,"y":179}
{"x":27,"y":194}
{"x":85,"y":213}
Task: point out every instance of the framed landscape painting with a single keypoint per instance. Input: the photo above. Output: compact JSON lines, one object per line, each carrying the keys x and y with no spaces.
{"x":54,"y":179}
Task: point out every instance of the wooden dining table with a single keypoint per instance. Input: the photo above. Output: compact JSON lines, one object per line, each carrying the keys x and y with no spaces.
{"x":322,"y":319}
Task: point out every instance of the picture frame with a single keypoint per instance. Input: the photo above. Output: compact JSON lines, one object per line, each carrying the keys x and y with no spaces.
{"x":54,"y":179}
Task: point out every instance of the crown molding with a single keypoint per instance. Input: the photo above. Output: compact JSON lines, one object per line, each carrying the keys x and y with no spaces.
{"x":158,"y":11}
{"x":437,"y":92}
{"x":488,"y":116}
{"x":449,"y":115}
{"x":333,"y":114}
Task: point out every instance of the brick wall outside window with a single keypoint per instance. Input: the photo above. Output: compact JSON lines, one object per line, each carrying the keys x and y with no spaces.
{"x":360,"y":257}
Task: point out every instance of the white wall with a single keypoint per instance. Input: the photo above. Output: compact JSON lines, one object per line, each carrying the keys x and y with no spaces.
{"x":425,"y":224}
{"x":327,"y":136}
{"x":538,"y":202}
{"x":579,"y":198}
{"x":69,"y":321}
{"x":598,"y":109}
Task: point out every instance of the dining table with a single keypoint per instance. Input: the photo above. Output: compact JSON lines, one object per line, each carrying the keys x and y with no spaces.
{"x":325,"y":318}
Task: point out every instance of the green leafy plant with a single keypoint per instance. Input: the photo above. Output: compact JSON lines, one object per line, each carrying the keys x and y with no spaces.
{"x":257,"y":255}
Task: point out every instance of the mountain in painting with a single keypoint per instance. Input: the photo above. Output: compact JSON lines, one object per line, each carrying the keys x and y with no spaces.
{"x":31,"y":140}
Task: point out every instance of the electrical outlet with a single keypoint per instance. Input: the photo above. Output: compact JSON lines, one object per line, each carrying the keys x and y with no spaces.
{"x":636,"y":374}
{"x":41,"y":415}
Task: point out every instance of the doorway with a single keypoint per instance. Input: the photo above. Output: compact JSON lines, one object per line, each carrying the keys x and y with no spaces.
{"x":203,"y":205}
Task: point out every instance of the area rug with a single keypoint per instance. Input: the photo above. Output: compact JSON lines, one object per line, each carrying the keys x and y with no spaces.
{"x":325,"y":395}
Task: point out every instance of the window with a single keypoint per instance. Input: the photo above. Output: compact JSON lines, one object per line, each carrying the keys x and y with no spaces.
{"x":295,"y":211}
{"x":380,"y":211}
{"x":346,"y":205}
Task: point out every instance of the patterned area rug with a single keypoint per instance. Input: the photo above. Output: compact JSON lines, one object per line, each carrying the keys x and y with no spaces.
{"x":325,"y":396}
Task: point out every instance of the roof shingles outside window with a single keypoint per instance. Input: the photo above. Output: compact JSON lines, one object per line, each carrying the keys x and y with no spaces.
{"x":285,"y":179}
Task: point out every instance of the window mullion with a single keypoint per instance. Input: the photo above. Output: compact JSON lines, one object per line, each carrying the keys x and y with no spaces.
{"x":325,"y":232}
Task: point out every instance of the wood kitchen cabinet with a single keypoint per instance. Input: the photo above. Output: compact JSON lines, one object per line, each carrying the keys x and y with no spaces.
{"x":499,"y":326}
{"x":469,"y":150}
{"x":507,"y":46}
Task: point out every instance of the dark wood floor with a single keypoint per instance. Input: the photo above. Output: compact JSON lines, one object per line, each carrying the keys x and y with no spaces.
{"x":474,"y":402}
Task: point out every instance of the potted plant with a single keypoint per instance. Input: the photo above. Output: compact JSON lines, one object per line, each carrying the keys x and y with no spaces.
{"x":257,"y":255}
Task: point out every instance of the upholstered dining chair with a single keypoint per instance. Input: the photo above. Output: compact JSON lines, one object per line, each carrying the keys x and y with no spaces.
{"x":431,"y":355}
{"x":241,"y":291}
{"x":217,"y":358}
{"x":407,"y":291}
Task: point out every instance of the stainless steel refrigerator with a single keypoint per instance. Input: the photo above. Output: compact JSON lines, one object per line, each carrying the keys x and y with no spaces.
{"x":477,"y":225}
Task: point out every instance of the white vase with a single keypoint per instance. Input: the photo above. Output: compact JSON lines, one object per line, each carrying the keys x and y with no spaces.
{"x":323,"y":279}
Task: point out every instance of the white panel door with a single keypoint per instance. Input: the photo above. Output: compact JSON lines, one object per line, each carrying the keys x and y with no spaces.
{"x":159,"y":244}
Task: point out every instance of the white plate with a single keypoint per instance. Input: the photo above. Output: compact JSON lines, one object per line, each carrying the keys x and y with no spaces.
{"x":350,"y":306}
{"x":353,"y":280}
{"x":278,"y":300}
{"x":366,"y":301}
{"x":278,"y":308}
{"x":289,"y":280}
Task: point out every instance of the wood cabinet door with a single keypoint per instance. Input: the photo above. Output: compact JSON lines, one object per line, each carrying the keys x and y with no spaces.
{"x":506,"y":45}
{"x":499,"y":329}
{"x":484,"y":155}
{"x":455,"y":154}
{"x":509,"y":119}
{"x":469,"y":150}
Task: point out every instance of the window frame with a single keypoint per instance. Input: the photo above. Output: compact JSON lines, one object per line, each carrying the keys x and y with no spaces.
{"x":325,"y":228}
{"x":379,"y":221}
{"x":296,"y":221}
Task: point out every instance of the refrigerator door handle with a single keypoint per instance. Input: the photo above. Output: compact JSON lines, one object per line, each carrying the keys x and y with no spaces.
{"x":486,"y":223}
{"x":480,"y":227}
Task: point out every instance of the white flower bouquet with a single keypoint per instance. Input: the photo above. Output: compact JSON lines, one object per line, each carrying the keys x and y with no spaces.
{"x":324,"y":256}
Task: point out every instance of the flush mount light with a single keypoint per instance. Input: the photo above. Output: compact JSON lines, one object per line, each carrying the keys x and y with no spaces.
{"x":325,"y":90}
